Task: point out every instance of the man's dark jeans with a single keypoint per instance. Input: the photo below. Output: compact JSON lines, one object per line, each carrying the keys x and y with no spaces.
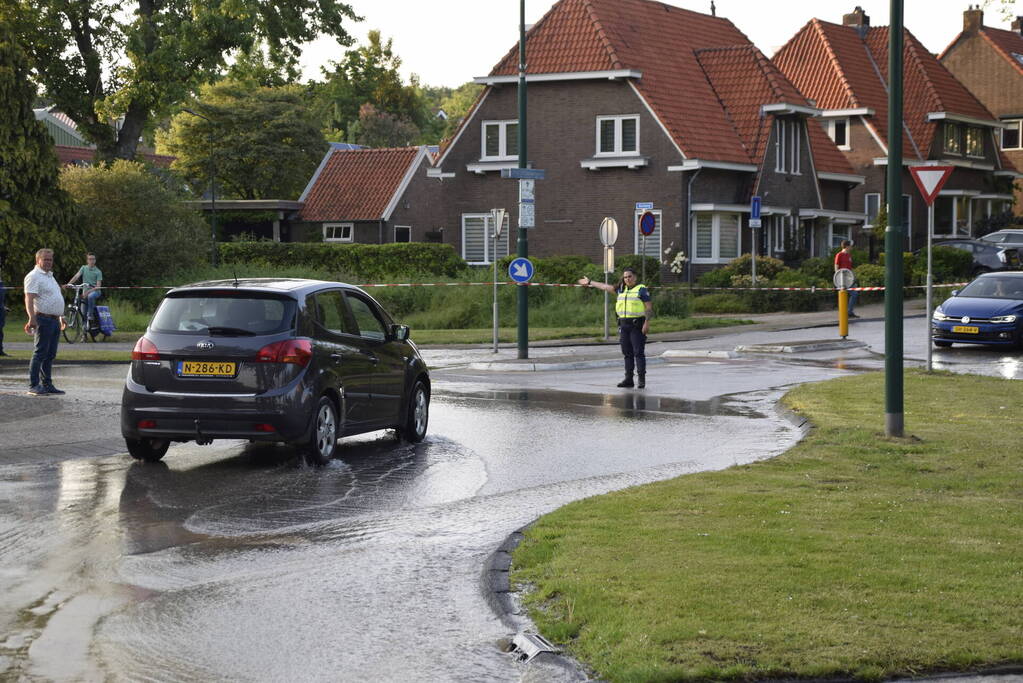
{"x":40,"y":372}
{"x":633,"y":341}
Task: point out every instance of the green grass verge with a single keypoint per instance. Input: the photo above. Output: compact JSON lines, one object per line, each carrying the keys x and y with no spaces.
{"x":509,"y":334}
{"x":850,"y":555}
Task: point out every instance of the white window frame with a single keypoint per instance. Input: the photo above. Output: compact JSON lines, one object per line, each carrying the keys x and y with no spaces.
{"x":1019,"y":134}
{"x":656,"y":239}
{"x":776,"y":229}
{"x":716,"y":237}
{"x":836,"y":234}
{"x":502,"y":140}
{"x":788,"y":145}
{"x":618,"y":151}
{"x":830,"y":129}
{"x":956,"y":200}
{"x":866,"y":208}
{"x":487,"y":256}
{"x":329,"y":227}
{"x":402,"y":227}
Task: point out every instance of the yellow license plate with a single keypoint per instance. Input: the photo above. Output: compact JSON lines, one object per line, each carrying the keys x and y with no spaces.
{"x":203,"y":368}
{"x":963,"y":329}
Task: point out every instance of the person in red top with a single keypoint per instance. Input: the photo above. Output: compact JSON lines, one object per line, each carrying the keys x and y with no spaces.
{"x":843,"y":259}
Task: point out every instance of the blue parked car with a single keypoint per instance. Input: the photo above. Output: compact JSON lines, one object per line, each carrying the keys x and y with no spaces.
{"x":989,"y":310}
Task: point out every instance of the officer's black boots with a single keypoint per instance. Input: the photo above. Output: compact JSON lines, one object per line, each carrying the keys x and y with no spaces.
{"x":642,"y":380}
{"x":627,"y":382}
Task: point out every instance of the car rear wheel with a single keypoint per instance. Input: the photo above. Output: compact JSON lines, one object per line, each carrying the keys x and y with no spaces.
{"x":322,"y":444}
{"x":149,"y":450}
{"x":943,"y":344}
{"x":417,"y":416}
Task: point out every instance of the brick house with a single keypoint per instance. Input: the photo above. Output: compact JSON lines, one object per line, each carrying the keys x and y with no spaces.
{"x":366,"y":195}
{"x":636,"y":102}
{"x":989,"y":61}
{"x":843,"y":69}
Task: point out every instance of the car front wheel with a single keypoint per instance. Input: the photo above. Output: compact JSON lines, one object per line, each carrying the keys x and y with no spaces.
{"x":417,"y":416}
{"x":322,"y":444}
{"x":149,"y":450}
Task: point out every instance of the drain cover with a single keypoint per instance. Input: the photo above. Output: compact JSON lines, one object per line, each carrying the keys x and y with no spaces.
{"x":529,"y":645}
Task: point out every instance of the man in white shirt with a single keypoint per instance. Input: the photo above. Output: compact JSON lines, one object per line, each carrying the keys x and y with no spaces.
{"x":44,"y":303}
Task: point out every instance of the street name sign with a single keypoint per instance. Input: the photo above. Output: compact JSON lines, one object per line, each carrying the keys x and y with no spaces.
{"x":523,"y":173}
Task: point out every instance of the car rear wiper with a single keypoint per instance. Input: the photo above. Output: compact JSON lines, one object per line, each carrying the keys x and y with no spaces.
{"x":230,"y":331}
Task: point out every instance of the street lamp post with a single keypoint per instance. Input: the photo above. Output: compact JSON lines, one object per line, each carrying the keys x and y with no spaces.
{"x":213,"y":189}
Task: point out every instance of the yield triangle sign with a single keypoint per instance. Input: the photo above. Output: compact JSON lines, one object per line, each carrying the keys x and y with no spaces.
{"x":930,"y":180}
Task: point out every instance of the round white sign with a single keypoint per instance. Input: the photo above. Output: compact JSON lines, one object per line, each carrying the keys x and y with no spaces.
{"x":608,"y":232}
{"x":844,"y":278}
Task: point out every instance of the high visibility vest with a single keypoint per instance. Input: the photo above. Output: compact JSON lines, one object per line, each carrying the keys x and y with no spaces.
{"x":629,"y":304}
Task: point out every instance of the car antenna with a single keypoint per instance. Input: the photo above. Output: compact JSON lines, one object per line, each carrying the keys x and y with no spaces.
{"x":235,"y":271}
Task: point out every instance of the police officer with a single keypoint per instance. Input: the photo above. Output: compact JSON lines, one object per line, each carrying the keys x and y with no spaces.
{"x":634,"y":310}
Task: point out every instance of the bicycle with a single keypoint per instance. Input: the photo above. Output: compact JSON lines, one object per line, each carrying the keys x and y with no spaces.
{"x":77,"y":326}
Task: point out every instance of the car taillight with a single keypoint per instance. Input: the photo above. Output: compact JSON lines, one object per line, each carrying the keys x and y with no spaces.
{"x":145,"y":350}
{"x":297,"y":351}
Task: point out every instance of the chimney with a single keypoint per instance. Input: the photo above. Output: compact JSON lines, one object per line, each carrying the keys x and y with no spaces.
{"x":857,"y":19}
{"x":973,"y":19}
{"x":1017,"y":25}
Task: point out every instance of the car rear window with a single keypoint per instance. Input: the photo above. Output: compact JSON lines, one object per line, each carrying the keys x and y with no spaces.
{"x":224,"y":314}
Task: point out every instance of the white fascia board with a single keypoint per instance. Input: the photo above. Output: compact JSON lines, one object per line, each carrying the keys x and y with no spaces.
{"x":461,"y":129}
{"x":392,"y":205}
{"x":1008,"y":174}
{"x":1007,"y":197}
{"x":316,"y":175}
{"x":657,"y":118}
{"x":741,"y":208}
{"x":614,"y":162}
{"x":842,"y":177}
{"x":610,"y":75}
{"x":787,"y":108}
{"x":959,"y":193}
{"x":842,"y":113}
{"x":438,"y":173}
{"x":490,"y":166}
{"x":948,"y":116}
{"x":697,"y":164}
{"x":873,"y":134}
{"x":840,"y":216}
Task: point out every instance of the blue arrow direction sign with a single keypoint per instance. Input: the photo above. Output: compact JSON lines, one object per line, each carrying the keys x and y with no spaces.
{"x":523,"y":173}
{"x":521,"y":269}
{"x":754,"y":207}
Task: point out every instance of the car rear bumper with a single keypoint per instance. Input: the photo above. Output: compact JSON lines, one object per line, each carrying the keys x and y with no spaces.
{"x":278,"y":416}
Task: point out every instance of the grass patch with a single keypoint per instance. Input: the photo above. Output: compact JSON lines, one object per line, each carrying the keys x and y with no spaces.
{"x":849,"y":555}
{"x":510,"y":334}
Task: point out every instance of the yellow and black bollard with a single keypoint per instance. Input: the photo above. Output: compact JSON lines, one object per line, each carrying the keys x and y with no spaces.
{"x":843,"y":313}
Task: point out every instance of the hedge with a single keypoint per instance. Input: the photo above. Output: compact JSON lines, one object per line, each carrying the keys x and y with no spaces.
{"x":353,"y":262}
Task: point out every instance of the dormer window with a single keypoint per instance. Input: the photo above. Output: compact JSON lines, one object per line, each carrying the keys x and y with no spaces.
{"x":617,"y":135}
{"x":787,"y":146}
{"x":974,"y":142}
{"x":500,"y":140}
{"x":953,"y":139}
{"x":1011,"y":138}
{"x":838,"y":131}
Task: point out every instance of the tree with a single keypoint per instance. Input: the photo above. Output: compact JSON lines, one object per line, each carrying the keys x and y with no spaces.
{"x":368,"y":75}
{"x":34,"y":212}
{"x":102,"y":60}
{"x":380,"y":129}
{"x":457,"y":105}
{"x":255,"y":67}
{"x":136,"y":223}
{"x":266,"y":142}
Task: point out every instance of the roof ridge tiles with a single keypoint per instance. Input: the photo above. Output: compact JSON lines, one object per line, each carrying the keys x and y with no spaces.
{"x":605,"y":39}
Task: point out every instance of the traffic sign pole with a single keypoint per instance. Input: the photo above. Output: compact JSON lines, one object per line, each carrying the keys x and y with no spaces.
{"x":927,"y":326}
{"x":608,"y":234}
{"x":523,"y":241}
{"x":894,"y":386}
{"x":929,"y":180}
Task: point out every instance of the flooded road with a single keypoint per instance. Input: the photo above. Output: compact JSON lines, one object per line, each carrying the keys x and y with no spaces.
{"x":236,"y":561}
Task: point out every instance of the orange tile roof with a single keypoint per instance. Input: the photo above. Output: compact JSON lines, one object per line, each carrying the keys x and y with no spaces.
{"x":839,"y":69}
{"x":745,"y":80}
{"x":357,"y":184}
{"x":1006,"y":43}
{"x":659,"y":41}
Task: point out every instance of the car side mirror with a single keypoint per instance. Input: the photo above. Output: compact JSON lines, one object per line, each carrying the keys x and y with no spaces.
{"x":400,"y":332}
{"x":955,"y":292}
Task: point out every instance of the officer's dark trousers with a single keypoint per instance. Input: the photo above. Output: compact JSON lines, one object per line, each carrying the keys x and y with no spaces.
{"x":633,"y":341}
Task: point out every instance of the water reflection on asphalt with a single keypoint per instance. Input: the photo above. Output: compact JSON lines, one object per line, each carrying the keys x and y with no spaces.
{"x":237,"y":561}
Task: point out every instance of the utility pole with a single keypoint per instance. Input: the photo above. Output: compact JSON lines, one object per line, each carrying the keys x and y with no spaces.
{"x":894,"y":414}
{"x":523,"y":241}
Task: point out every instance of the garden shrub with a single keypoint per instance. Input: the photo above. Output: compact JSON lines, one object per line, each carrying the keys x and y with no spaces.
{"x":767,"y":266}
{"x":869,"y":275}
{"x":719,"y":302}
{"x":818,"y":268}
{"x":719,"y":277}
{"x":672,"y":302}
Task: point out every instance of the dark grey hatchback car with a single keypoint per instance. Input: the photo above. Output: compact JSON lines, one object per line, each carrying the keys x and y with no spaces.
{"x":297,"y":361}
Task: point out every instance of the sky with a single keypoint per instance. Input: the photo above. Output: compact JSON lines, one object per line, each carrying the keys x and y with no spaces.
{"x":449,"y":42}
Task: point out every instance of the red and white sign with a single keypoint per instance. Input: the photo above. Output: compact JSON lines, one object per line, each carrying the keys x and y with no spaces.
{"x":930,"y":180}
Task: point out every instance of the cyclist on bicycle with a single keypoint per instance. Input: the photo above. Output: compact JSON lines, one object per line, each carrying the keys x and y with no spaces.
{"x":93,"y":277}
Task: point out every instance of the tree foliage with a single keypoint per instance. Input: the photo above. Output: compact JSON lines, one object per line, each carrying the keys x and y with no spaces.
{"x":368,"y":74}
{"x":34,"y":212}
{"x":101,"y":60}
{"x":265,"y":141}
{"x":136,"y":223}
{"x":380,"y":129}
{"x":457,"y":104}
